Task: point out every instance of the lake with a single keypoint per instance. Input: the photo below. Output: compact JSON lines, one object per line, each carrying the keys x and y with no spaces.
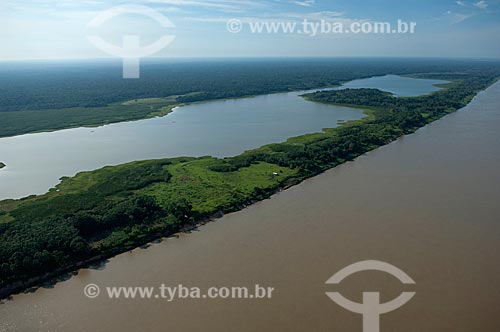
{"x":427,"y":203}
{"x":36,"y":162}
{"x":397,"y":85}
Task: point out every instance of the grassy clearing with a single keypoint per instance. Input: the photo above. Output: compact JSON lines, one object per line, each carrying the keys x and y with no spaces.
{"x":209,"y":191}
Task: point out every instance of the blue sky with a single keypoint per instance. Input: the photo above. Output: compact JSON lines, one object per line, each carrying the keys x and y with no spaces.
{"x":41,"y":29}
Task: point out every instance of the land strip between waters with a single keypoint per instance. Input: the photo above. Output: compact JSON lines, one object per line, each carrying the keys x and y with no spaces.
{"x":102,"y":213}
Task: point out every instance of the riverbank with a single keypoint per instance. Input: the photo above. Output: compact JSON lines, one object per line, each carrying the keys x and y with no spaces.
{"x":221,"y":129}
{"x":23,"y":122}
{"x":42,"y":121}
{"x":39,"y":121}
{"x":51,"y":278}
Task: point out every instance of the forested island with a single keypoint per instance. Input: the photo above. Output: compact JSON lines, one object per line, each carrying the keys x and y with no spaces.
{"x":2,"y":165}
{"x":102,"y":213}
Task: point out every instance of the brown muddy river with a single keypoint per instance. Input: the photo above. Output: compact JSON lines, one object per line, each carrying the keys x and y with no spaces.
{"x":428,"y":204}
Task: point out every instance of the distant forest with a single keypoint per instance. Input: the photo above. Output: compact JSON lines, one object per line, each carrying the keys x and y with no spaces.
{"x":51,"y":85}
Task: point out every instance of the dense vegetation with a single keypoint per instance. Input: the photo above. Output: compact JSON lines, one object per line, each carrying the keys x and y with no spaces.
{"x":17,"y":123}
{"x":113,"y":209}
{"x":42,"y":86}
{"x":49,"y":96}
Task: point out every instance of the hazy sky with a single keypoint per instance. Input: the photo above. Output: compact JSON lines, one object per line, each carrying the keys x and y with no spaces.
{"x":35,"y":29}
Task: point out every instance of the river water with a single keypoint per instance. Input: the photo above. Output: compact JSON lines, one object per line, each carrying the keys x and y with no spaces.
{"x":36,"y":162}
{"x":427,"y":203}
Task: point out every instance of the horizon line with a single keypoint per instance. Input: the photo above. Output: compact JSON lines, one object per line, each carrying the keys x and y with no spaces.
{"x":249,"y":58}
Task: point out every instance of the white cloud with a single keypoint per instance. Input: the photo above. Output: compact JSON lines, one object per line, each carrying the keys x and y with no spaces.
{"x":225,"y":5}
{"x":458,"y":17}
{"x":461,"y":3}
{"x":481,"y":4}
{"x":305,"y":3}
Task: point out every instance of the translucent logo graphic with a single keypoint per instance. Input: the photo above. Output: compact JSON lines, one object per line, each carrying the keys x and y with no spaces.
{"x":371,"y":308}
{"x":131,"y":51}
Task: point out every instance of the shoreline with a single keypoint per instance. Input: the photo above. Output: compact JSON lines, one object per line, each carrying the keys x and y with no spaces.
{"x":58,"y":275}
{"x":152,"y":115}
{"x":52,"y":278}
{"x":171,"y":108}
{"x":161,"y":114}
